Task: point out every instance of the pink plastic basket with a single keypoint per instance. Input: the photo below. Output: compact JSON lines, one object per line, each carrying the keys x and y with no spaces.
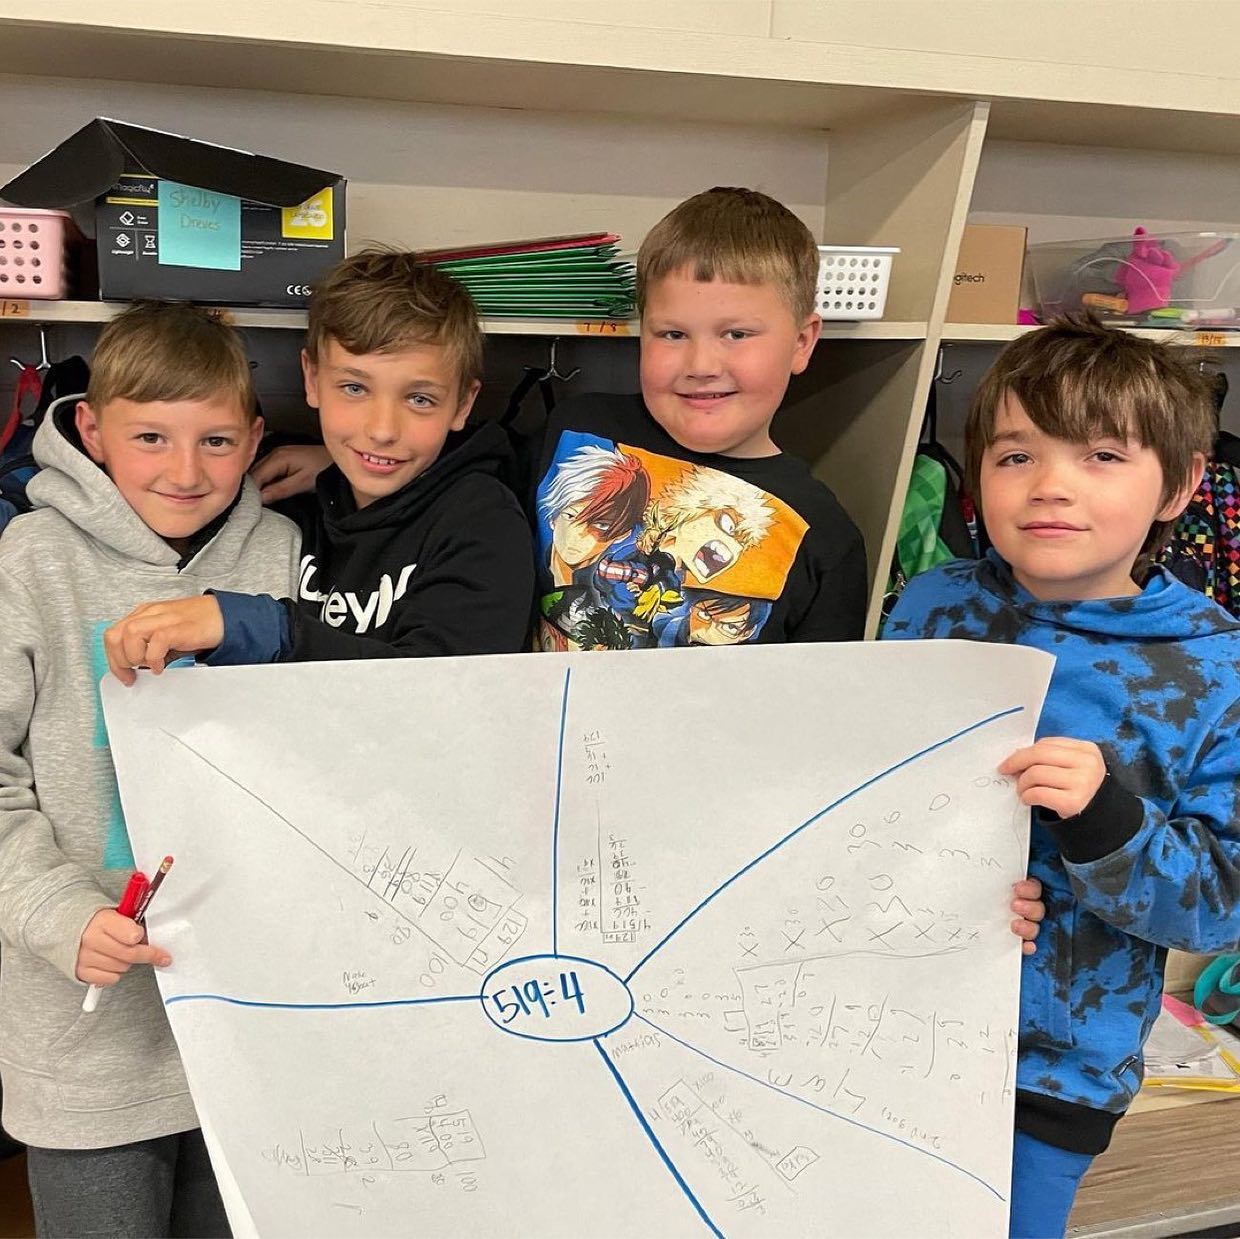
{"x":33,"y":253}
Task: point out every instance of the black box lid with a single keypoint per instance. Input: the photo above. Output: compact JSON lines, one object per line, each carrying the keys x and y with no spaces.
{"x":90,"y":162}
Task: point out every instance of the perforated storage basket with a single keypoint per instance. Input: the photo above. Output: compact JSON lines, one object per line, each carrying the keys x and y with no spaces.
{"x":33,"y":253}
{"x":853,"y":279}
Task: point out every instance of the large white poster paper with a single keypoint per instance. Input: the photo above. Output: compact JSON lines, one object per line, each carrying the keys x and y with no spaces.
{"x":661,"y":944}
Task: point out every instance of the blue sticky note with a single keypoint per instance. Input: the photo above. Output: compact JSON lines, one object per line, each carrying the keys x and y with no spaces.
{"x":198,"y":228}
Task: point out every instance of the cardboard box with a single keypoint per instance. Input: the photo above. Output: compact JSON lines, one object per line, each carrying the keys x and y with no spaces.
{"x":986,"y":286}
{"x":186,"y":220}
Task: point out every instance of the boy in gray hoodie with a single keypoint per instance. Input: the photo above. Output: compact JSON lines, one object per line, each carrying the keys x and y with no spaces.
{"x":142,"y":492}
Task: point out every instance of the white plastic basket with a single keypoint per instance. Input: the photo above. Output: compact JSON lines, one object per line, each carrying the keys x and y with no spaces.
{"x":33,"y":253}
{"x":853,"y":279}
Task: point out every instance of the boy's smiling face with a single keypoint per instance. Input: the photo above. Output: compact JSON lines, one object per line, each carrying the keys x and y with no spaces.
{"x":177,"y":463}
{"x":1071,"y":518}
{"x":385,"y":416}
{"x":716,"y":359}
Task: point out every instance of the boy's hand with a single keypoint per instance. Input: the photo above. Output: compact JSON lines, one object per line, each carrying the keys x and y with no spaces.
{"x":1058,"y":774}
{"x":111,"y":945}
{"x":157,"y":632}
{"x":1030,"y":912}
{"x":289,"y":470}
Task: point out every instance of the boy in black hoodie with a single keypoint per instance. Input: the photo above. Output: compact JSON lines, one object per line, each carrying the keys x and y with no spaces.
{"x":411,"y":545}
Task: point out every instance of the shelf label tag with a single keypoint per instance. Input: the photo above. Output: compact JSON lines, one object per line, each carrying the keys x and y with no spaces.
{"x":605,"y":327}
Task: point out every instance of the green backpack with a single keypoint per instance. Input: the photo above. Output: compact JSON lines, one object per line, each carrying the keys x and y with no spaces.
{"x":938,"y":522}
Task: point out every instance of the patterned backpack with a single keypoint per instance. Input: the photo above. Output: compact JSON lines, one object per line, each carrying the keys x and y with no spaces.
{"x":1204,"y":549}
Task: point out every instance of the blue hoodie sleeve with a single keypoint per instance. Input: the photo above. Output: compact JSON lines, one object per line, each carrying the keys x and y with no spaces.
{"x":256,"y":630}
{"x":1172,"y":879}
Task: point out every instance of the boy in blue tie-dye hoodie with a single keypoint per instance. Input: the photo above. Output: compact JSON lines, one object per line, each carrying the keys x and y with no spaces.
{"x":1083,"y":445}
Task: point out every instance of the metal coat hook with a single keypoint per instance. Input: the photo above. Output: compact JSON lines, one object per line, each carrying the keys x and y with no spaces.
{"x":940,"y":377}
{"x":44,"y":362}
{"x":553,"y":372}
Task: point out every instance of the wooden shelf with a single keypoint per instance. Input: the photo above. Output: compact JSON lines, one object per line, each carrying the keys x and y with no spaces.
{"x":15,"y":313}
{"x":881,"y":329}
{"x":51,"y":312}
{"x":1000,"y":333}
{"x":1167,"y":1172}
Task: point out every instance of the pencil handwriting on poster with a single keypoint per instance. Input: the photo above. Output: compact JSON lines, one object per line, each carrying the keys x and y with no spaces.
{"x":685,"y":944}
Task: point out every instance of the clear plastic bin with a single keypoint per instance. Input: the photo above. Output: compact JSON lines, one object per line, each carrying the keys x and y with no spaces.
{"x":34,"y":253}
{"x":1160,"y":279}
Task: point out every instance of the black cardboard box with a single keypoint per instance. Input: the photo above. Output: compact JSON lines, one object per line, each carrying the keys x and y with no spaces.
{"x":187,"y":220}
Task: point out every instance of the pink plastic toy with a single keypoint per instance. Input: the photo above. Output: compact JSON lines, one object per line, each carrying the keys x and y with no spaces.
{"x":1147,"y":274}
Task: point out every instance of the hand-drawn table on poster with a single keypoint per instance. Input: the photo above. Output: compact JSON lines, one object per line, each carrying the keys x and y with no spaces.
{"x":654,"y":944}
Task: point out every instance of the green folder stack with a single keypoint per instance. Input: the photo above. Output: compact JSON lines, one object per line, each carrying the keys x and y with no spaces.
{"x":551,"y":277}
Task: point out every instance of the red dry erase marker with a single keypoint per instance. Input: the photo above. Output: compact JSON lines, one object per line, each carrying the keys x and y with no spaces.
{"x":135,"y":892}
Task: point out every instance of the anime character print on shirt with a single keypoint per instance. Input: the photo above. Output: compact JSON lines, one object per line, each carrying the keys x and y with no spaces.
{"x":638,"y":550}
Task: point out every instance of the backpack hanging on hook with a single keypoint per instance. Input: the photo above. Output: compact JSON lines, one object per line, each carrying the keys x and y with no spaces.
{"x":525,"y":439}
{"x":544,"y":379}
{"x":63,"y":379}
{"x":1203,"y":550}
{"x":938,"y":521}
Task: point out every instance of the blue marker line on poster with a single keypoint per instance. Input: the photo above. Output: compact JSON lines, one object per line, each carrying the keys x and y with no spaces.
{"x":843,"y":1118}
{"x":740,"y":873}
{"x":555,"y":829}
{"x":654,"y":1140}
{"x":544,"y":998}
{"x":315,"y":1006}
{"x":198,"y":228}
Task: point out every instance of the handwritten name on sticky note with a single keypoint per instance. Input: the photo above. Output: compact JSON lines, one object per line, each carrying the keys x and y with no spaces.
{"x":198,"y":228}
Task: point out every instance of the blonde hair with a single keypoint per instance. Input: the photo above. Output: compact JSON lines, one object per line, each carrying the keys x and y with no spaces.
{"x":698,"y":492}
{"x":1079,"y":380}
{"x":739,"y":236}
{"x":165,"y":350}
{"x":382,"y":301}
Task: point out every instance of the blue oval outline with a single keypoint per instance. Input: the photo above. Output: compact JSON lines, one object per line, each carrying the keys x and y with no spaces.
{"x":576,"y":959}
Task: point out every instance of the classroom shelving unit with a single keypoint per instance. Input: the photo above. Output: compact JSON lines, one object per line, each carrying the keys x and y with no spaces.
{"x":470,"y":119}
{"x":466,"y":120}
{"x":51,"y":312}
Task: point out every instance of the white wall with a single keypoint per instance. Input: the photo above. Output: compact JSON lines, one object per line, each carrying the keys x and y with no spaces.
{"x":425,"y":175}
{"x":1198,"y":38}
{"x":1069,"y":192}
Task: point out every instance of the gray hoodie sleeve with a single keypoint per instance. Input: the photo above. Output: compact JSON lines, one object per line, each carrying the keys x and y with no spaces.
{"x":46,"y":899}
